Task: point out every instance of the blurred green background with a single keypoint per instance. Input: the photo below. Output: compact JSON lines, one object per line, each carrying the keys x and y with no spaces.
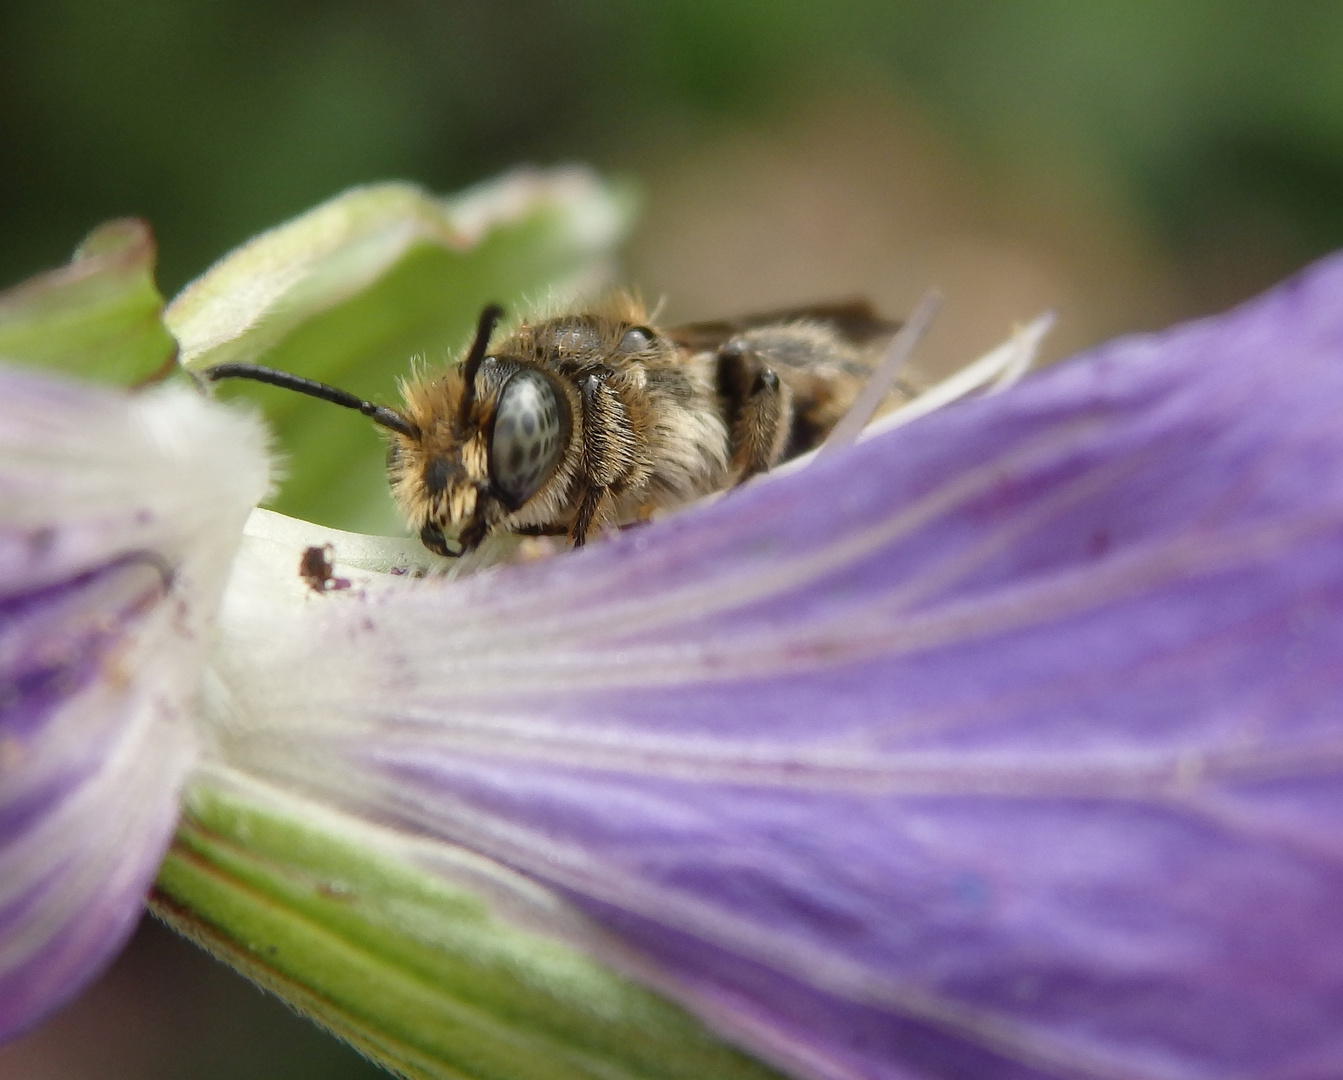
{"x":1126,"y":165}
{"x":783,"y":146}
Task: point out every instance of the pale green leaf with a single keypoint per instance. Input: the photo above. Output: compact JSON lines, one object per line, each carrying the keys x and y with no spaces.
{"x":98,"y":317}
{"x":429,"y":959}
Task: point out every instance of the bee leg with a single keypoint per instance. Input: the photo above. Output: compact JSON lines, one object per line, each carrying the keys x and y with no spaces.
{"x":758,"y":407}
{"x":587,"y":509}
{"x":608,"y":451}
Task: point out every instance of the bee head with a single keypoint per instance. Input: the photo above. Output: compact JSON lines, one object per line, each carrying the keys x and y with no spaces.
{"x":486,"y":436}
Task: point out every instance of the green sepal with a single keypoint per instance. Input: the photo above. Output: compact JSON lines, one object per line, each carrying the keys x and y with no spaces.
{"x":99,"y":317}
{"x":354,"y":291}
{"x":425,"y":957}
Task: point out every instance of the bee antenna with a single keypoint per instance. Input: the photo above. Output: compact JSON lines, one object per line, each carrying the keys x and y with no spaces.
{"x":379,"y":414}
{"x":479,"y":347}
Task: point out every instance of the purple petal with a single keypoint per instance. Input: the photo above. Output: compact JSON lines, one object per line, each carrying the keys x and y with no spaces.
{"x":118,"y":517}
{"x":1007,"y":744}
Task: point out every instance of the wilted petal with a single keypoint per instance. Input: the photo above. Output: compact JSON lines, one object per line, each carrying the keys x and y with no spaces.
{"x":1007,"y":744}
{"x":118,"y":517}
{"x":249,"y":301}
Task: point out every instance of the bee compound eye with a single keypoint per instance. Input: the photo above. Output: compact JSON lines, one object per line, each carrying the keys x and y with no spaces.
{"x":526,"y":441}
{"x":636,"y":339}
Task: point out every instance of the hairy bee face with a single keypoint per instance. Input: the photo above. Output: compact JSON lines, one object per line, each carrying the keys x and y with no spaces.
{"x":475,"y":460}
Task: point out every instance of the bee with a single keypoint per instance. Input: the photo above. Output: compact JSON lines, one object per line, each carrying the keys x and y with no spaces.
{"x":597,"y":418}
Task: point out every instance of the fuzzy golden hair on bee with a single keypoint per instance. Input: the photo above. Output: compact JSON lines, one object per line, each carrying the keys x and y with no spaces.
{"x":579,"y":420}
{"x":436,"y":465}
